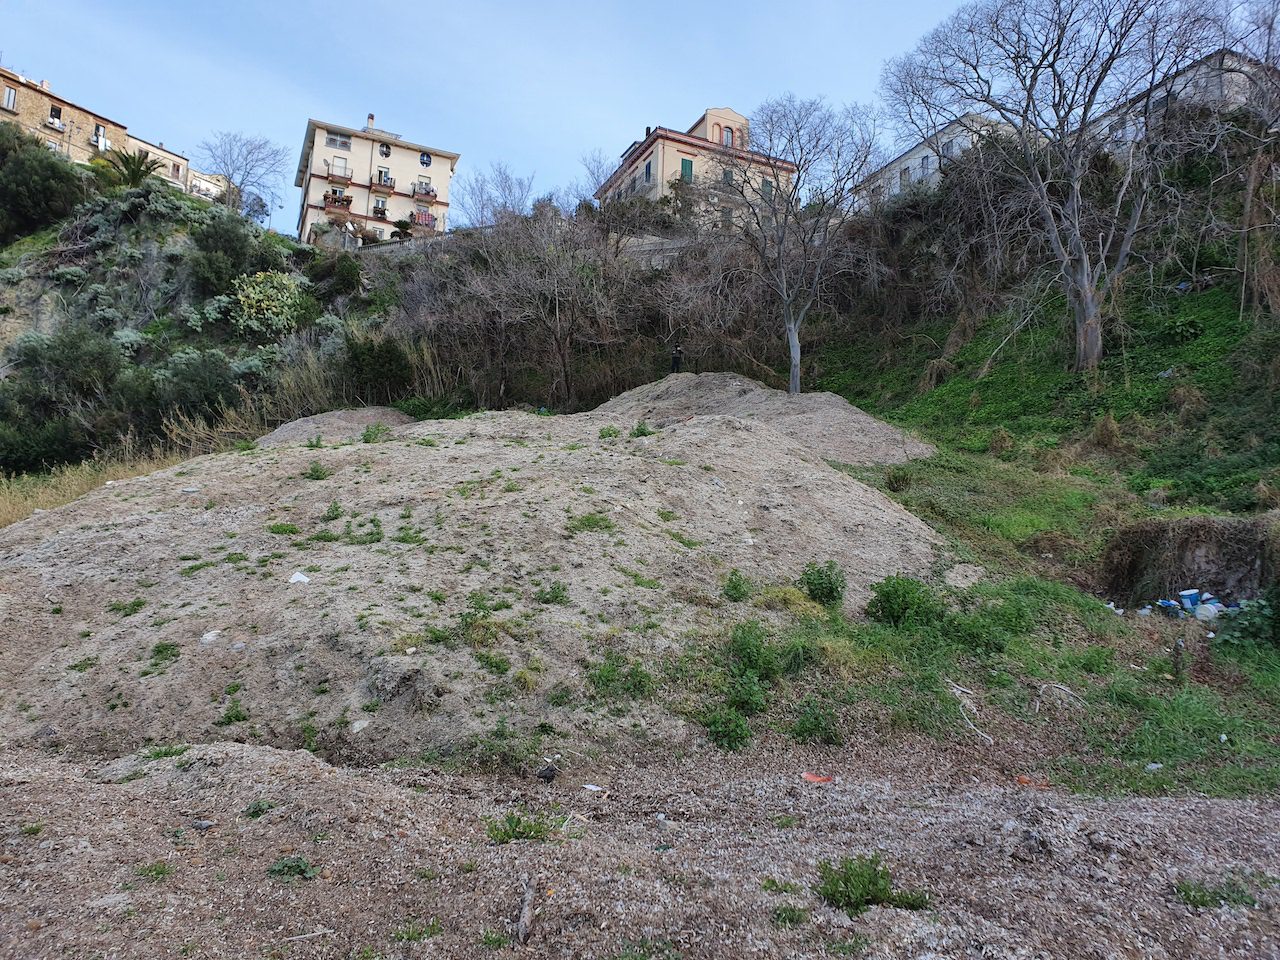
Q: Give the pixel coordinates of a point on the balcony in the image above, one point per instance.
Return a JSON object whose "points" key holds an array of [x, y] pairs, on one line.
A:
{"points": [[56, 124], [421, 218], [425, 192], [380, 213], [383, 185], [333, 201], [339, 176]]}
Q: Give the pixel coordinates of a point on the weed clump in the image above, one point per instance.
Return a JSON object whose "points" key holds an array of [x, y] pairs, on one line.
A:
{"points": [[816, 723], [293, 868], [615, 677], [904, 602], [858, 883], [594, 522], [727, 728], [642, 429], [736, 586], [824, 583], [517, 826]]}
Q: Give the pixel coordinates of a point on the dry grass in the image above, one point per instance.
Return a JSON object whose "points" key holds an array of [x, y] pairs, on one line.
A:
{"points": [[21, 495]]}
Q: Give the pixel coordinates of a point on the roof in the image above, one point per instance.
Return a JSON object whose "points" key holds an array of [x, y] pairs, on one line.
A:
{"points": [[666, 133], [313, 125], [33, 85], [158, 146]]}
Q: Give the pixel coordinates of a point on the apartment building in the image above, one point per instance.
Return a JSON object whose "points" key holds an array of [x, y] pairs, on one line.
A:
{"points": [[68, 128], [652, 167], [367, 179], [922, 163], [174, 167]]}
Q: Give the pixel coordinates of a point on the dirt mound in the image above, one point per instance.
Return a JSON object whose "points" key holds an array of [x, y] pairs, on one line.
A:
{"points": [[451, 586], [828, 425], [336, 427], [142, 857]]}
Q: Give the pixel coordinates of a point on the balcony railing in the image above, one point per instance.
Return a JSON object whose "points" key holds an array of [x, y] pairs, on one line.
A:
{"points": [[423, 219], [425, 191], [56, 123], [383, 185], [339, 176], [380, 213], [334, 201]]}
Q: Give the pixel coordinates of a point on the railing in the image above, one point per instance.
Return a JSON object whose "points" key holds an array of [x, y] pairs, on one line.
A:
{"points": [[423, 219], [383, 184], [425, 190], [333, 200], [380, 213], [340, 176], [56, 124]]}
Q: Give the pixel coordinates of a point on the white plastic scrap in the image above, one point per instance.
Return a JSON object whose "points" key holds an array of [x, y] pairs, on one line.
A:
{"points": [[299, 577], [1153, 767], [592, 787]]}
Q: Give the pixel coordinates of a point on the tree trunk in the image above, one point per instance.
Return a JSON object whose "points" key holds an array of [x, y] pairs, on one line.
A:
{"points": [[1248, 282], [793, 341], [1088, 331]]}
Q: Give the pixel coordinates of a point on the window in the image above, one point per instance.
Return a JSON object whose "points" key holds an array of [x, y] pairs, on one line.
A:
{"points": [[948, 148], [384, 175], [424, 159], [766, 189], [648, 171], [339, 167], [904, 176], [55, 113], [686, 170], [10, 99], [728, 136], [99, 132], [377, 232], [338, 191], [177, 171], [632, 187], [384, 149], [726, 177], [926, 163], [337, 143], [726, 217], [52, 145]]}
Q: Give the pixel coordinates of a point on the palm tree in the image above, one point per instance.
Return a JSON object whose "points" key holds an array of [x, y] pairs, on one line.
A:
{"points": [[403, 230], [132, 168]]}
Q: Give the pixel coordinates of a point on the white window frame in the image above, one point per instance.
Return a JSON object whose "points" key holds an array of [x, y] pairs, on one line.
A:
{"points": [[11, 99]]}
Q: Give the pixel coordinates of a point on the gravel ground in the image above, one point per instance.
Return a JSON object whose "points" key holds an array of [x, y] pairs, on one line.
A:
{"points": [[670, 854]]}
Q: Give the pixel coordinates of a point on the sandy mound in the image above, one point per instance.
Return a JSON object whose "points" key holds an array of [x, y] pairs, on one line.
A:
{"points": [[424, 611], [336, 427], [822, 422], [139, 857]]}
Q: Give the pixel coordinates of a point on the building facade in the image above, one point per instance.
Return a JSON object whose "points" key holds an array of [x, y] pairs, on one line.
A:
{"points": [[174, 167], [653, 167], [74, 131], [362, 181], [921, 164]]}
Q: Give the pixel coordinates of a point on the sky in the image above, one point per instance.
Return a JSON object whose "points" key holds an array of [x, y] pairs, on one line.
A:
{"points": [[534, 84]]}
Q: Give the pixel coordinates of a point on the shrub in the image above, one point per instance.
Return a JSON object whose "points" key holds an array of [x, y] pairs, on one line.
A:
{"points": [[736, 586], [727, 728], [293, 868], [224, 245], [816, 723], [1257, 623], [268, 303], [857, 883], [824, 583], [557, 593], [750, 652], [904, 602], [376, 433], [608, 433], [379, 366], [642, 429], [747, 694], [37, 186]]}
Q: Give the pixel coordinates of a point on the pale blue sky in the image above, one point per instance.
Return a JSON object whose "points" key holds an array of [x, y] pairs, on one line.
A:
{"points": [[536, 84]]}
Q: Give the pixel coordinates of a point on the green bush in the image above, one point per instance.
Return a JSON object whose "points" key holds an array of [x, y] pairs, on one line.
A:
{"points": [[616, 677], [747, 694], [824, 583], [727, 728], [225, 246], [1257, 623], [379, 367], [904, 602], [858, 883], [37, 187]]}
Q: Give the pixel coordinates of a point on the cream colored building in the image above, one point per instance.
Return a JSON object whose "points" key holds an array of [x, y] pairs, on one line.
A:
{"points": [[370, 178], [922, 163], [174, 167], [67, 128], [211, 186], [652, 167]]}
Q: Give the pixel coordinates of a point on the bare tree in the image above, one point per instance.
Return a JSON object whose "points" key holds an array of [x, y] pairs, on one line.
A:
{"points": [[484, 197], [1062, 79], [786, 196], [254, 168]]}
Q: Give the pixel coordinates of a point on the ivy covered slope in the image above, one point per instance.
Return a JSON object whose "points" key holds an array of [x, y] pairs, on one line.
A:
{"points": [[142, 305]]}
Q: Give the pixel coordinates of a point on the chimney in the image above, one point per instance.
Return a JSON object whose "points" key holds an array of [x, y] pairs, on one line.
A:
{"points": [[371, 121], [648, 130], [44, 84]]}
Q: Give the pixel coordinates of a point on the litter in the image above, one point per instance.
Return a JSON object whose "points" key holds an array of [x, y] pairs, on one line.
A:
{"points": [[299, 577], [1190, 599], [816, 777], [190, 489], [592, 787], [1222, 738], [1118, 611], [1153, 767]]}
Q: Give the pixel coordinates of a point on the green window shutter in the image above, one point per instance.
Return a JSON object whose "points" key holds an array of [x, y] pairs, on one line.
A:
{"points": [[766, 188], [686, 170]]}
